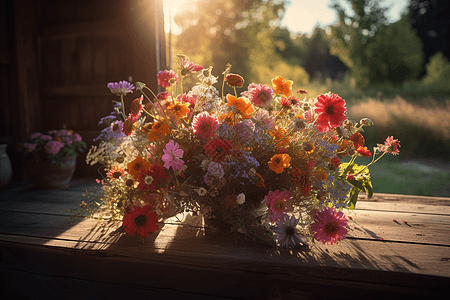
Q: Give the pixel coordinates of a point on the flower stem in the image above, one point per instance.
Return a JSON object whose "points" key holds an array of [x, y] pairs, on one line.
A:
{"points": [[123, 107]]}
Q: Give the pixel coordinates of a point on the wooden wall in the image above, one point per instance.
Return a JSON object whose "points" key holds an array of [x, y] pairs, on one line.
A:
{"points": [[64, 53]]}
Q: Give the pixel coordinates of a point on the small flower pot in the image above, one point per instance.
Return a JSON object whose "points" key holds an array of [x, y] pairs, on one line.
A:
{"points": [[46, 175]]}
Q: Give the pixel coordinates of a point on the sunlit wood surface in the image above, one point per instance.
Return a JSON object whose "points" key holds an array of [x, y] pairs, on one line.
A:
{"points": [[397, 246]]}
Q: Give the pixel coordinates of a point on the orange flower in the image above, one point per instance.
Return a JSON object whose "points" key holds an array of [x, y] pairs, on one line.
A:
{"points": [[278, 133], [136, 166], [158, 130], [227, 118], [179, 110], [243, 106], [281, 86], [279, 162]]}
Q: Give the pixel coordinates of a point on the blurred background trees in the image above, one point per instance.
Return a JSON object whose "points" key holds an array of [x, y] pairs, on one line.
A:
{"points": [[409, 56]]}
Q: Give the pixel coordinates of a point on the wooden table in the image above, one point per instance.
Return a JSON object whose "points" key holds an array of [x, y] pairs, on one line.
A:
{"points": [[46, 253]]}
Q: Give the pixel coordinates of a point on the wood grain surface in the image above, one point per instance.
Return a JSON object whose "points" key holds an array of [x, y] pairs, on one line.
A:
{"points": [[397, 246]]}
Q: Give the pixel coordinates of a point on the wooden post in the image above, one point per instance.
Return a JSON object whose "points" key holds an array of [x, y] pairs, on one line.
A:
{"points": [[27, 104]]}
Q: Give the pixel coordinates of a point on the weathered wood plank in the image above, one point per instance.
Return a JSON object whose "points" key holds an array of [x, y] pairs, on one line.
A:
{"points": [[215, 274], [177, 239]]}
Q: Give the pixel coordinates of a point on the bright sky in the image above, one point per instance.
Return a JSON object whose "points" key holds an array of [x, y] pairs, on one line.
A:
{"points": [[301, 15]]}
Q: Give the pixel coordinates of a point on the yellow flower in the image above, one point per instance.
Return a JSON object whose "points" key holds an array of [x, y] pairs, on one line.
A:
{"points": [[279, 162], [281, 86]]}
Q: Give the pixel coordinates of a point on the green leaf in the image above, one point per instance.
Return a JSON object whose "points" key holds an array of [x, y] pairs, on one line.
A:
{"points": [[368, 188], [353, 197], [356, 183]]}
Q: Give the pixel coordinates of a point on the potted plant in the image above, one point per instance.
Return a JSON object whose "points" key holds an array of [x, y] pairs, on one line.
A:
{"points": [[50, 159]]}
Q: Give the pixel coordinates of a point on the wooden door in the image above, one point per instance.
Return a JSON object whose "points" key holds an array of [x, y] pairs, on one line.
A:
{"points": [[66, 53]]}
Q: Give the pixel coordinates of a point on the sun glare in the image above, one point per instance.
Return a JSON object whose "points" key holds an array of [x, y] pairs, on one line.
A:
{"points": [[171, 7]]}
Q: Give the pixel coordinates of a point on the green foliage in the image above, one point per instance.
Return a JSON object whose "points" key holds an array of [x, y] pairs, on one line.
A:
{"points": [[359, 179], [396, 53], [438, 72], [375, 51]]}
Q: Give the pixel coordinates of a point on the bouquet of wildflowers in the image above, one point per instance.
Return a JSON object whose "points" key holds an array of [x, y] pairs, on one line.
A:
{"points": [[54, 146], [265, 163]]}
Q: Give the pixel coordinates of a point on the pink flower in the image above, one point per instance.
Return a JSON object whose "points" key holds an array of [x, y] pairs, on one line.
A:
{"points": [[172, 155], [191, 99], [390, 146], [329, 226], [260, 95], [163, 96], [35, 135], [46, 137], [278, 203], [77, 137], [188, 67], [30, 147], [53, 147], [204, 125], [167, 78]]}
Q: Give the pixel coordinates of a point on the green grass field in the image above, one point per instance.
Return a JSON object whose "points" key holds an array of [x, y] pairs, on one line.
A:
{"points": [[410, 177]]}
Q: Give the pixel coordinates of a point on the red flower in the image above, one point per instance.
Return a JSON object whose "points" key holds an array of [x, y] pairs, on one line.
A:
{"points": [[127, 128], [217, 149], [234, 80], [358, 142], [301, 180], [331, 111], [140, 221], [362, 150], [136, 108]]}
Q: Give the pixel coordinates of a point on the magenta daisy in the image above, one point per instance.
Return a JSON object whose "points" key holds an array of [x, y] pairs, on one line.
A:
{"points": [[278, 203], [188, 67], [167, 78], [120, 88], [390, 146], [204, 125], [172, 155], [329, 226], [260, 95]]}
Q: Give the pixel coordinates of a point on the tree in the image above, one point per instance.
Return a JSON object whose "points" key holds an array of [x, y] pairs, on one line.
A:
{"points": [[215, 33], [374, 50], [430, 18], [396, 53]]}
